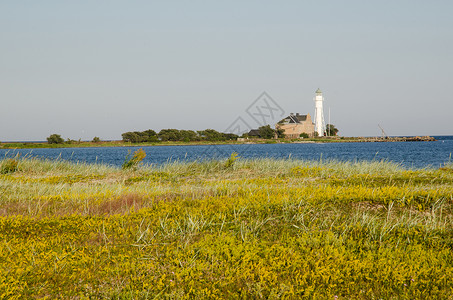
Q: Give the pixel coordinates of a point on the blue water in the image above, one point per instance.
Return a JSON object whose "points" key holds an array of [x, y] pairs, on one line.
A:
{"points": [[409, 154]]}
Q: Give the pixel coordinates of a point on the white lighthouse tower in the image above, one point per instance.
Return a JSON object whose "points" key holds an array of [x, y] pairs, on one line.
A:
{"points": [[319, 113]]}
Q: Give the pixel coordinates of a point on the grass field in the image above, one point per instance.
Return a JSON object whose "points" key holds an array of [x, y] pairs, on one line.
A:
{"points": [[225, 229]]}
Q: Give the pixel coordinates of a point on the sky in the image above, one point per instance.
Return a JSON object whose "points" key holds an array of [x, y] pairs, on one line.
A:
{"points": [[101, 68]]}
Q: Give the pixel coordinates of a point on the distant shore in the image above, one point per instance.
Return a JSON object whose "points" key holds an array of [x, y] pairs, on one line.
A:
{"points": [[336, 139]]}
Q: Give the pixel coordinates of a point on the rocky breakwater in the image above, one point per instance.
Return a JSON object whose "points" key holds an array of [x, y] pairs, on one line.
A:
{"points": [[395, 139]]}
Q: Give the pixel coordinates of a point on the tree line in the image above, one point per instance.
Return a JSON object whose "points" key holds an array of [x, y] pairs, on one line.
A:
{"points": [[57, 139], [150, 136]]}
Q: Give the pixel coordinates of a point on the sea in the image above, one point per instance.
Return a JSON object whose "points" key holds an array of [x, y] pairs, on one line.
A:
{"points": [[412, 155]]}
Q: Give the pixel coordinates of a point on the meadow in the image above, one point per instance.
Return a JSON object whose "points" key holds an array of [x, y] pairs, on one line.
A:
{"points": [[236, 228]]}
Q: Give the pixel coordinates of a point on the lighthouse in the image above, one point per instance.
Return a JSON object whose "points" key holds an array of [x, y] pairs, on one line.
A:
{"points": [[319, 113]]}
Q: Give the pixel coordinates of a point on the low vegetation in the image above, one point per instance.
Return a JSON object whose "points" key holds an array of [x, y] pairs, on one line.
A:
{"points": [[331, 130], [9, 165], [226, 229], [55, 139], [175, 135], [134, 161]]}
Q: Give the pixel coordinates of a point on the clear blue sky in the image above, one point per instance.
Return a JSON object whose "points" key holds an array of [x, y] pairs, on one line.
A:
{"points": [[100, 68]]}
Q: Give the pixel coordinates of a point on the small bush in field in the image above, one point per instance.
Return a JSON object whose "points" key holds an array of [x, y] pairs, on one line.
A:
{"points": [[135, 160], [55, 139], [9, 166], [230, 161]]}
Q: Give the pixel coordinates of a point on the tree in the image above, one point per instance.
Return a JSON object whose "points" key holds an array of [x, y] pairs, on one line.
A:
{"points": [[96, 140], [69, 141], [188, 135], [304, 135], [149, 132], [169, 135], [55, 139], [147, 136], [153, 139], [280, 133], [131, 137], [331, 130], [142, 136], [230, 136], [150, 136], [266, 132], [211, 135]]}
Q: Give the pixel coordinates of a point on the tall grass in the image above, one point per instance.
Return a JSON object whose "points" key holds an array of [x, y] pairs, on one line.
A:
{"points": [[258, 228]]}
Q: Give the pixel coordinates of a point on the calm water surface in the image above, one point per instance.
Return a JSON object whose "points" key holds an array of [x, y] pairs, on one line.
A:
{"points": [[409, 154]]}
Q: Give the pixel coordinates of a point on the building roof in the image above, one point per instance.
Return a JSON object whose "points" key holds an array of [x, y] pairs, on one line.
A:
{"points": [[318, 91], [254, 132], [294, 119]]}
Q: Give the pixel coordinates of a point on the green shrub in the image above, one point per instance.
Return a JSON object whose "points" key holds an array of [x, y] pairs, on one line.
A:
{"points": [[304, 135], [266, 132], [55, 139], [230, 161], [135, 160], [9, 166]]}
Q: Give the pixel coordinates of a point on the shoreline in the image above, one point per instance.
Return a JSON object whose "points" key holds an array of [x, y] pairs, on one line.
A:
{"points": [[41, 145]]}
